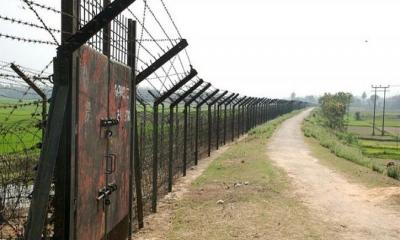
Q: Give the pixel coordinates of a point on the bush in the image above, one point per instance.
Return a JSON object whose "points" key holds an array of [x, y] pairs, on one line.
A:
{"points": [[358, 116], [377, 168], [334, 108], [394, 172]]}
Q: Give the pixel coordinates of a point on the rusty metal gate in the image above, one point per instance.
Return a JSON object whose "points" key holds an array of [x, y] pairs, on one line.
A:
{"points": [[102, 148]]}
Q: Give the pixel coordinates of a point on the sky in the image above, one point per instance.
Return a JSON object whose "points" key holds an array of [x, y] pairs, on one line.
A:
{"points": [[276, 47]]}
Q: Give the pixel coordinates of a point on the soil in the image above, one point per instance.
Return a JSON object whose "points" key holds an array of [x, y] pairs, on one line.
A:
{"points": [[355, 211]]}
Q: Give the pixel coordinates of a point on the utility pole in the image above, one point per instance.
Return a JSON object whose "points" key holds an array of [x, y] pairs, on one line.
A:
{"points": [[384, 109], [373, 124]]}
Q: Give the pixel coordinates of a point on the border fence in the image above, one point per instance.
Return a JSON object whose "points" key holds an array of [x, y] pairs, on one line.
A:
{"points": [[88, 150]]}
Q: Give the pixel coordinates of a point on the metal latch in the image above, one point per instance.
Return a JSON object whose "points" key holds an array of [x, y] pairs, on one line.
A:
{"points": [[109, 122], [105, 192]]}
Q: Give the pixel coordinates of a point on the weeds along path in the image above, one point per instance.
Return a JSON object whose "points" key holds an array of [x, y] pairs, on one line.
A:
{"points": [[354, 211]]}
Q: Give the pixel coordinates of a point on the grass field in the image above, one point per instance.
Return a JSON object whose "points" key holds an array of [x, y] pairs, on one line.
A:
{"points": [[392, 121], [357, 144], [377, 146], [18, 130]]}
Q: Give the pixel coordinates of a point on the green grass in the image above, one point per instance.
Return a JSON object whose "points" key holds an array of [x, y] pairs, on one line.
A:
{"points": [[369, 177], [394, 172], [18, 130], [348, 146], [392, 119]]}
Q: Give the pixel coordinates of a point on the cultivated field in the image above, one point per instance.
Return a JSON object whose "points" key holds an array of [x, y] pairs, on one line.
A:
{"points": [[376, 146]]}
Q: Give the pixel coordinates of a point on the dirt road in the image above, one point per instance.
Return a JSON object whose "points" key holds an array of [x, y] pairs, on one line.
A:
{"points": [[355, 211]]}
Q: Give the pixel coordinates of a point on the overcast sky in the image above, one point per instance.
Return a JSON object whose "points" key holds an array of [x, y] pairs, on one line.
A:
{"points": [[274, 47]]}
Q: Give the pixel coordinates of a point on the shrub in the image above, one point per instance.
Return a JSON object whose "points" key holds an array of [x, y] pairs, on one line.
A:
{"points": [[358, 116], [394, 172], [377, 168], [334, 108]]}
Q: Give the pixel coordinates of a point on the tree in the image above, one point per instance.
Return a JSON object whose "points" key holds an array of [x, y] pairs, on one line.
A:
{"points": [[334, 108], [293, 96], [311, 99], [364, 96], [372, 98]]}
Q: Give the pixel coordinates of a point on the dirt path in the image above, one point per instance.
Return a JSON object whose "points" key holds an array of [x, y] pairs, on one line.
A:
{"points": [[353, 210]]}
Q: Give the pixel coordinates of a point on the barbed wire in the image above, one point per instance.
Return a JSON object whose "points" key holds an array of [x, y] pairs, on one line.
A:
{"points": [[44, 69], [28, 40], [9, 75], [142, 30], [41, 20], [175, 26], [166, 34], [162, 40], [22, 22], [45, 7]]}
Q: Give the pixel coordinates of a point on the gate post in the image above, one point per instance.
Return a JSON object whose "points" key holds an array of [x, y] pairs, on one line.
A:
{"points": [[63, 226], [135, 166]]}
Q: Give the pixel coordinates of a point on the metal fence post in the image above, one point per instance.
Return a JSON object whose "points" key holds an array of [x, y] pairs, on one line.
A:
{"points": [[210, 120], [155, 159], [225, 114], [198, 108], [187, 104], [218, 116], [209, 128], [241, 119], [233, 115], [185, 121], [162, 98], [248, 114], [170, 147]]}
